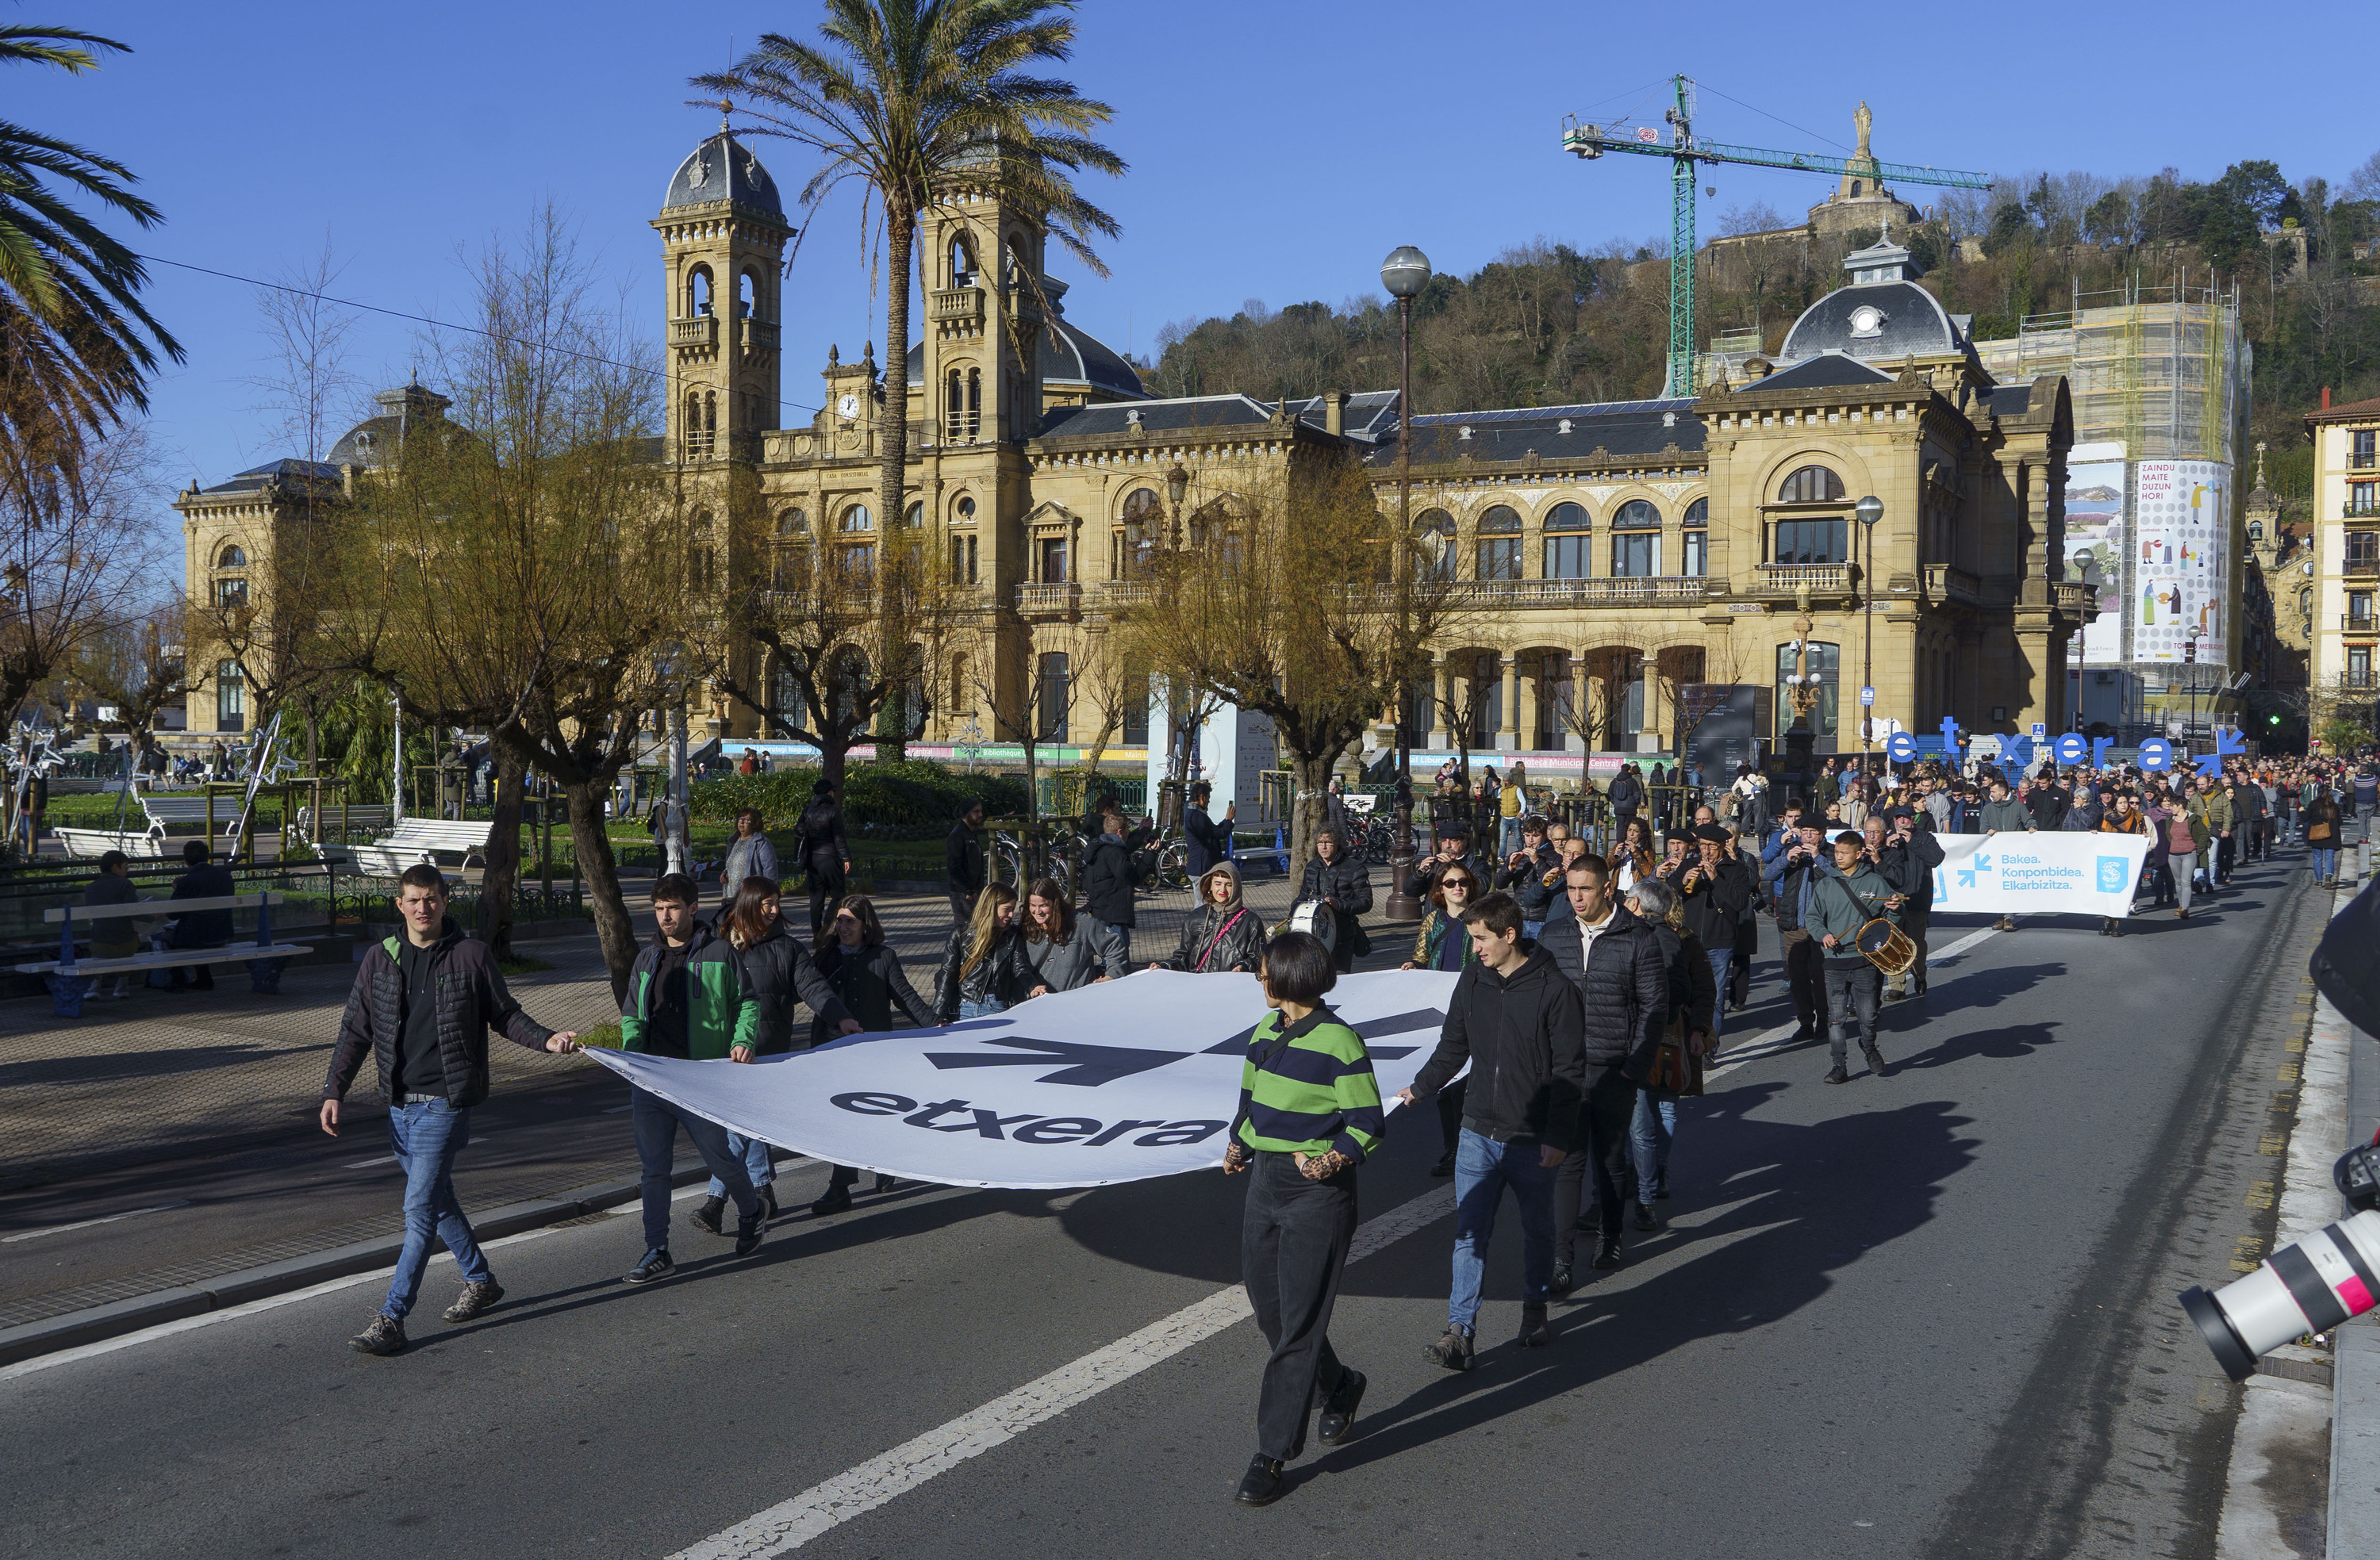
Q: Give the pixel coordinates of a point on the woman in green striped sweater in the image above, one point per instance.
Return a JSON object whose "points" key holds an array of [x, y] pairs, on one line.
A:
{"points": [[1309, 1114]]}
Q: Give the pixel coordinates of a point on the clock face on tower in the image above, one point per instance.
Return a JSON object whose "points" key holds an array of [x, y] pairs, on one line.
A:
{"points": [[848, 406]]}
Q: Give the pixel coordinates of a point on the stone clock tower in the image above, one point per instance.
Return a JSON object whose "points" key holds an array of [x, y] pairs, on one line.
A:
{"points": [[723, 234]]}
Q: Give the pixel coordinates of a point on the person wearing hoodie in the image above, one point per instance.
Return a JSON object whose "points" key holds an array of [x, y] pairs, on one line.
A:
{"points": [[983, 968], [421, 1008], [687, 997], [1623, 981], [783, 977], [1112, 870], [1521, 1028], [1855, 894], [1337, 877], [1225, 935]]}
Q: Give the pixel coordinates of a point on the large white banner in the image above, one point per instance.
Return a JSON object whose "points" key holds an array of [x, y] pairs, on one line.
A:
{"points": [[2038, 873], [1120, 1081]]}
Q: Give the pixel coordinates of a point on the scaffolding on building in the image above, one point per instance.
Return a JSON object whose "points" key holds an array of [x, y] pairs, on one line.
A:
{"points": [[2163, 371]]}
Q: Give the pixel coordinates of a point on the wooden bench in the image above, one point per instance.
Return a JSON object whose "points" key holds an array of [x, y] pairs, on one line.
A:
{"points": [[89, 844], [68, 972], [424, 840]]}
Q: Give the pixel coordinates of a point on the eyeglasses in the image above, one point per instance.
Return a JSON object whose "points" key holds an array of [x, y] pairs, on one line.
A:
{"points": [[1456, 883]]}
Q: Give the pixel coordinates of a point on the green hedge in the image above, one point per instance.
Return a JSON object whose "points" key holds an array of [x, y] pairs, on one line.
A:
{"points": [[910, 794]]}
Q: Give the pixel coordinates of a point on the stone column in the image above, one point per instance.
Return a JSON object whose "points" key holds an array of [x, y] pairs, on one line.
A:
{"points": [[1576, 740], [1441, 683], [1508, 732]]}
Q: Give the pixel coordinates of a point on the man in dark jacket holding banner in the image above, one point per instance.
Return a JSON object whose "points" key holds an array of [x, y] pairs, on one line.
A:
{"points": [[1517, 1021], [1623, 981]]}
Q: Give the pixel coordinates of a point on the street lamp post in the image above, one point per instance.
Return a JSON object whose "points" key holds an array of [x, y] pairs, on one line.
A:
{"points": [[1870, 509], [1405, 273], [2190, 659]]}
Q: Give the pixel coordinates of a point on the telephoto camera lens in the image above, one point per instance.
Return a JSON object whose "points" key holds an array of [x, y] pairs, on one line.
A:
{"points": [[2309, 1287]]}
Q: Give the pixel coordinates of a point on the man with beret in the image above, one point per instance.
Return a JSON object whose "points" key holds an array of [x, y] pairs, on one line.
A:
{"points": [[1712, 888]]}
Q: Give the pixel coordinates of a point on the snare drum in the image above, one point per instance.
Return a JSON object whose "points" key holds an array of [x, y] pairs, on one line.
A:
{"points": [[1315, 918], [1885, 947]]}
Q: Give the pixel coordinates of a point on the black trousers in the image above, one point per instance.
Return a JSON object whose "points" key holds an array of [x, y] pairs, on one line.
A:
{"points": [[826, 896], [1293, 1239], [962, 908], [1604, 1117], [1805, 977], [1450, 1112], [2226, 852]]}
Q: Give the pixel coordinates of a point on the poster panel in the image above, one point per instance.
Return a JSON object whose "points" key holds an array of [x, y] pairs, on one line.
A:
{"points": [[2182, 559], [2094, 538]]}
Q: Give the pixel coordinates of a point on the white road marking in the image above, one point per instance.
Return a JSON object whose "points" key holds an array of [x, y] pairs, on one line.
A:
{"points": [[367, 1164], [86, 1224], [816, 1510], [1779, 1040]]}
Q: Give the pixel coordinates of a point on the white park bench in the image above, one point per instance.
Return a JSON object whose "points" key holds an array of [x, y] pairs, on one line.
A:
{"points": [[424, 840], [70, 971], [89, 844], [373, 819], [169, 813]]}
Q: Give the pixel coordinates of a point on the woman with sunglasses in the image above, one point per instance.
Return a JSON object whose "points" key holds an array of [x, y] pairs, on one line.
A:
{"points": [[1443, 944], [866, 976]]}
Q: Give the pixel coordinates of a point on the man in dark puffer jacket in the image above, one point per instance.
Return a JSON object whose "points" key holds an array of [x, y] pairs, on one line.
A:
{"points": [[422, 1005], [1624, 982]]}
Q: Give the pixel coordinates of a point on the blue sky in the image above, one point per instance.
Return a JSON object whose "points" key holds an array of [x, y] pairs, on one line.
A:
{"points": [[1279, 149]]}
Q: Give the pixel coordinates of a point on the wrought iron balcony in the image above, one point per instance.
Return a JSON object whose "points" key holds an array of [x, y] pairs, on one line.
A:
{"points": [[2359, 568], [2359, 622]]}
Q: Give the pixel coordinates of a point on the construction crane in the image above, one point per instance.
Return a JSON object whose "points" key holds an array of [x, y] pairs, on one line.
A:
{"points": [[1684, 150]]}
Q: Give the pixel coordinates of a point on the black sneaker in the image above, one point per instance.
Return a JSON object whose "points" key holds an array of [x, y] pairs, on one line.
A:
{"points": [[1807, 1032], [385, 1335], [1445, 1165], [1606, 1253], [657, 1264], [476, 1300], [1645, 1217], [1535, 1334], [1874, 1059], [747, 1234], [836, 1200], [1338, 1418], [1260, 1485], [1562, 1282], [1452, 1349], [1839, 1075], [886, 1183], [706, 1214], [768, 1200]]}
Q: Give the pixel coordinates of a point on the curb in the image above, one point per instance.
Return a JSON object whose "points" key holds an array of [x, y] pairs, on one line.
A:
{"points": [[117, 1317]]}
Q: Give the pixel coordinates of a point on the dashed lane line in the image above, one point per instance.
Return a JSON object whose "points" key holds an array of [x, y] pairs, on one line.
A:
{"points": [[86, 1224]]}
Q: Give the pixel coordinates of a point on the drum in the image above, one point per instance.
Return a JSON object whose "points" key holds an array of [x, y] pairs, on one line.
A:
{"points": [[1316, 918], [1885, 947]]}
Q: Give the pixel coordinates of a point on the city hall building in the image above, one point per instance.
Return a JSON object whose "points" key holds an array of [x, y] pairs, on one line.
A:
{"points": [[1612, 556]]}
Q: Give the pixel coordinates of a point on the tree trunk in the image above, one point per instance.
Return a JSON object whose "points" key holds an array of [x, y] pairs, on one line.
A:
{"points": [[834, 760], [614, 931], [1310, 809], [499, 882], [897, 553]]}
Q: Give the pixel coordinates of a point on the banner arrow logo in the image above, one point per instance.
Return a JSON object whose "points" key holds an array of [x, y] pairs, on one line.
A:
{"points": [[1087, 1066]]}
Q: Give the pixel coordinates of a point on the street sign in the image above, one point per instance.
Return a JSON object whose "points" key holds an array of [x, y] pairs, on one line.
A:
{"points": [[1867, 696], [2041, 730]]}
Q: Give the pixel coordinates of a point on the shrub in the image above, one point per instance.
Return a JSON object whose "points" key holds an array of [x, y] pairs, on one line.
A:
{"points": [[913, 794]]}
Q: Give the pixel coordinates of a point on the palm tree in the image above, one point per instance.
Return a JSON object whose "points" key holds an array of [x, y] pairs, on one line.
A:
{"points": [[71, 322], [920, 100]]}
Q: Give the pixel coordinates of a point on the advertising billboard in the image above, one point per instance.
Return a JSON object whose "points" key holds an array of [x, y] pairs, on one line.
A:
{"points": [[2181, 559], [2095, 544]]}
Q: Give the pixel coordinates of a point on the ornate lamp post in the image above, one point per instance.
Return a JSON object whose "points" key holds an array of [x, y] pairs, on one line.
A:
{"points": [[1870, 509], [1405, 273]]}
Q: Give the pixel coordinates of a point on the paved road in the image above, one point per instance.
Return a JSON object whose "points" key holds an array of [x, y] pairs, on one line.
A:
{"points": [[1923, 1315]]}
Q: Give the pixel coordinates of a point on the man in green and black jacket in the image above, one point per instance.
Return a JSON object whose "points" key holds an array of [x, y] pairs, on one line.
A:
{"points": [[687, 997]]}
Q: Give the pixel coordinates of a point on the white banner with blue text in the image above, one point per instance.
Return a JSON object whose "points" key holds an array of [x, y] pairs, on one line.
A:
{"points": [[2038, 873], [1118, 1082]]}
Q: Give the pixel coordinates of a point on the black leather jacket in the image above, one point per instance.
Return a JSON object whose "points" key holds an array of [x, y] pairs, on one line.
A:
{"points": [[1002, 976], [1225, 943], [783, 976]]}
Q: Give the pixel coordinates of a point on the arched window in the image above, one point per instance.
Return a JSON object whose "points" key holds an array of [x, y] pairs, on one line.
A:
{"points": [[1434, 542], [231, 592], [962, 262], [231, 697], [698, 291], [1694, 560], [232, 558], [1635, 540], [793, 522], [1826, 661], [914, 516], [1811, 484], [966, 513], [1567, 542], [2305, 601], [787, 708], [856, 518], [747, 293], [1498, 549]]}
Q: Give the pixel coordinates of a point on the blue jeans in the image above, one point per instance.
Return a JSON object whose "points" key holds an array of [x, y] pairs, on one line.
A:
{"points": [[1649, 1134], [1483, 1167], [2326, 863], [982, 1009], [1507, 836], [755, 1154], [655, 1122], [1721, 960], [427, 1135]]}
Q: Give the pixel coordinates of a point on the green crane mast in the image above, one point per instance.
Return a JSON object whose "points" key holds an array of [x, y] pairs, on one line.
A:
{"points": [[1684, 150]]}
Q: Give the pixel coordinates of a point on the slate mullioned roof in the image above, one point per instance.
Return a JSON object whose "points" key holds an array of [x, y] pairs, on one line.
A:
{"points": [[257, 476], [1553, 433], [723, 169], [1822, 373]]}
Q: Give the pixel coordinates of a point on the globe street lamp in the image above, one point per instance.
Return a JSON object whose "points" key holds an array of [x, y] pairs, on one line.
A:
{"points": [[1870, 509], [1405, 273]]}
